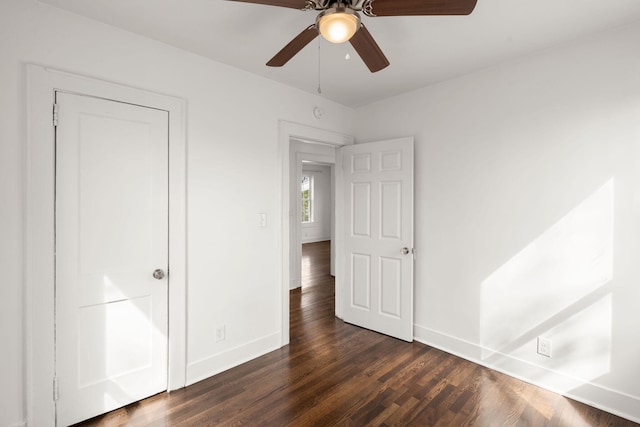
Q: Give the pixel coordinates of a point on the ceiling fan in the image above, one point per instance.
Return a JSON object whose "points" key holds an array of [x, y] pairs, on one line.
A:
{"points": [[339, 21]]}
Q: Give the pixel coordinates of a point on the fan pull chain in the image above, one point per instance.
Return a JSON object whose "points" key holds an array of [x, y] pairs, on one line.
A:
{"points": [[319, 86]]}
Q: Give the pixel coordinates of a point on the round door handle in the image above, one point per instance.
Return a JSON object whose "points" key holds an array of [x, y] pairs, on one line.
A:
{"points": [[404, 251], [158, 274]]}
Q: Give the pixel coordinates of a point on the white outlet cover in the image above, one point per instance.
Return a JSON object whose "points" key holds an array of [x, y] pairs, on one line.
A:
{"points": [[220, 333], [544, 346]]}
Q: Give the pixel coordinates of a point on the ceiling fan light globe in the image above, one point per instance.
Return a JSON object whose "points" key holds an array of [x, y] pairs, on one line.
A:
{"points": [[338, 26]]}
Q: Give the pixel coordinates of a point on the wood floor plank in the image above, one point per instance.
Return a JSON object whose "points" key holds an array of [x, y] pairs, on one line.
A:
{"points": [[336, 374]]}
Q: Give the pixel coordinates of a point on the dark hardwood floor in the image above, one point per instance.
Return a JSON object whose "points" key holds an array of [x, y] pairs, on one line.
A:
{"points": [[333, 373]]}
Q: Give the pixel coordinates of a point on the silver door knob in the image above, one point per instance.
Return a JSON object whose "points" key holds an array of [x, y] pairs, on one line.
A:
{"points": [[158, 274], [404, 251]]}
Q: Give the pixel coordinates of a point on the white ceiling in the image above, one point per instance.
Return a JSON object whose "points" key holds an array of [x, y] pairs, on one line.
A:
{"points": [[422, 49]]}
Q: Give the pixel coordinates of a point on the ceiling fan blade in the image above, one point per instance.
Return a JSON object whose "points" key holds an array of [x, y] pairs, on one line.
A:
{"points": [[363, 42], [421, 7], [294, 4], [294, 46]]}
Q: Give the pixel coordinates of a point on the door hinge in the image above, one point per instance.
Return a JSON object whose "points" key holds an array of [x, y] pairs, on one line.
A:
{"points": [[55, 114], [55, 389]]}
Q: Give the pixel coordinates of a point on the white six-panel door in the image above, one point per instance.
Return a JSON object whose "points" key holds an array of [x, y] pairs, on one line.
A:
{"points": [[111, 235], [378, 241]]}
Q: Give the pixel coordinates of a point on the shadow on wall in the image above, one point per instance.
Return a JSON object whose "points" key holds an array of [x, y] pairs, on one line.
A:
{"points": [[558, 287]]}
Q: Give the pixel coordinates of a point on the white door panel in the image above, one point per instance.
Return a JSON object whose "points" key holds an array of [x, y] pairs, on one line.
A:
{"points": [[378, 190], [111, 234]]}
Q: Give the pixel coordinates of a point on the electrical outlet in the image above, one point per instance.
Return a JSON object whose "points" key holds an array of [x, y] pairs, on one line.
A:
{"points": [[220, 333], [544, 346], [262, 220]]}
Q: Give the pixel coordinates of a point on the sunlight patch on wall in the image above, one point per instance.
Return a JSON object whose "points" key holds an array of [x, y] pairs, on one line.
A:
{"points": [[582, 343], [559, 277]]}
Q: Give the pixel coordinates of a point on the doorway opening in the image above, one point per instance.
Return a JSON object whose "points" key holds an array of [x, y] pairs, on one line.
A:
{"points": [[313, 189], [294, 141], [316, 220]]}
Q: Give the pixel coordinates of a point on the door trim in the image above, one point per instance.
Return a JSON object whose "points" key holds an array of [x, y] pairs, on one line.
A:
{"points": [[286, 132], [39, 271]]}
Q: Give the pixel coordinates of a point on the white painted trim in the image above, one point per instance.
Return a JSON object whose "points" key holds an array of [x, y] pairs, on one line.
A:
{"points": [[339, 230], [286, 132], [620, 404], [42, 83]]}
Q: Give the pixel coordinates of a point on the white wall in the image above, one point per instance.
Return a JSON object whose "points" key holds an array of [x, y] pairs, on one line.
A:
{"points": [[225, 157], [320, 228], [528, 215]]}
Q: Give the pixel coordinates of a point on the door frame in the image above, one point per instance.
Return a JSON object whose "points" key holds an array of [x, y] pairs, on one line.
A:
{"points": [[39, 269], [288, 131]]}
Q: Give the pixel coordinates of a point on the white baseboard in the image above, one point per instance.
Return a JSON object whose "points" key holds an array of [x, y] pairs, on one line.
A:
{"points": [[210, 366], [612, 401]]}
